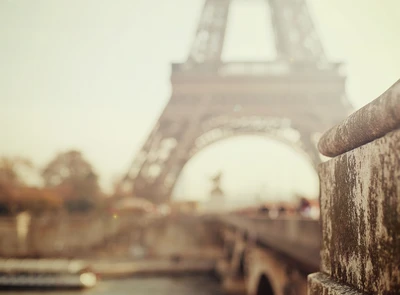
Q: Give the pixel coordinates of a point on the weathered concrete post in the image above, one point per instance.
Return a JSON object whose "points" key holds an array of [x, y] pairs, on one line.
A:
{"points": [[360, 202]]}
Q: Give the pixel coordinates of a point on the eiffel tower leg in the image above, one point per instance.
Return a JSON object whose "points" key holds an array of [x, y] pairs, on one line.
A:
{"points": [[295, 35], [149, 173], [159, 163]]}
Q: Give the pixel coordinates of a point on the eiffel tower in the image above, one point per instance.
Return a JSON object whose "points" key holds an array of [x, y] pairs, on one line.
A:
{"points": [[292, 99]]}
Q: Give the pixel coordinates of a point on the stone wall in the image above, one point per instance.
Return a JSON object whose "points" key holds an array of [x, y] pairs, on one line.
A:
{"points": [[183, 235], [360, 202], [87, 236], [60, 236], [9, 242]]}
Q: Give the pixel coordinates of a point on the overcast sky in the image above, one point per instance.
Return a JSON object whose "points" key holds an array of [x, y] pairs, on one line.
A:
{"points": [[94, 75]]}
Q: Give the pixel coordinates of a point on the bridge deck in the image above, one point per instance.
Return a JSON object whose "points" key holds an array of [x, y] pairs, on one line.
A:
{"points": [[298, 239]]}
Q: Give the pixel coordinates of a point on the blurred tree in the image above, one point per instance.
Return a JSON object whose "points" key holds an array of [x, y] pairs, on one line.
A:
{"points": [[11, 168], [33, 200], [11, 180], [80, 205], [74, 179], [38, 200], [8, 204]]}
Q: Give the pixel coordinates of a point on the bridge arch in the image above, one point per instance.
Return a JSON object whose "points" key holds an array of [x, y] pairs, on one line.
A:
{"points": [[264, 286]]}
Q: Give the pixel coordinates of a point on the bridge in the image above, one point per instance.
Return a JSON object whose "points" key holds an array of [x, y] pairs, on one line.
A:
{"points": [[268, 256]]}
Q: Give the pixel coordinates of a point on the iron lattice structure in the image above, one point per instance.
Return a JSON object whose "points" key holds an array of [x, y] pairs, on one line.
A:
{"points": [[293, 98]]}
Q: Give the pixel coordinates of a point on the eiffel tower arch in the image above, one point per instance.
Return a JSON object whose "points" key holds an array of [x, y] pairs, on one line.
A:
{"points": [[292, 98]]}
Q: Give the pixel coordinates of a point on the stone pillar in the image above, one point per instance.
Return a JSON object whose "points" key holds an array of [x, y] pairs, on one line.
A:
{"points": [[228, 267], [360, 202]]}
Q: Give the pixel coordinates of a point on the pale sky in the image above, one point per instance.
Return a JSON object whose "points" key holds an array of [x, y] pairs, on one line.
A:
{"points": [[94, 75]]}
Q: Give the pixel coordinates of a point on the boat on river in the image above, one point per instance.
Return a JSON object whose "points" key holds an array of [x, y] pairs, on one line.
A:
{"points": [[45, 273]]}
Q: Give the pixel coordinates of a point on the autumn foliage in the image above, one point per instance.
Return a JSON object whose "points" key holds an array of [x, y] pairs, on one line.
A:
{"points": [[7, 199], [34, 200], [38, 200], [69, 184], [73, 178]]}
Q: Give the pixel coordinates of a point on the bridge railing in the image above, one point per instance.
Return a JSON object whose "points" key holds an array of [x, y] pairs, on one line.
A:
{"points": [[360, 198], [299, 239]]}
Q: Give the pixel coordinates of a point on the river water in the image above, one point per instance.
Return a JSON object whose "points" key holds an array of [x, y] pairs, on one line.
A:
{"points": [[186, 285]]}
